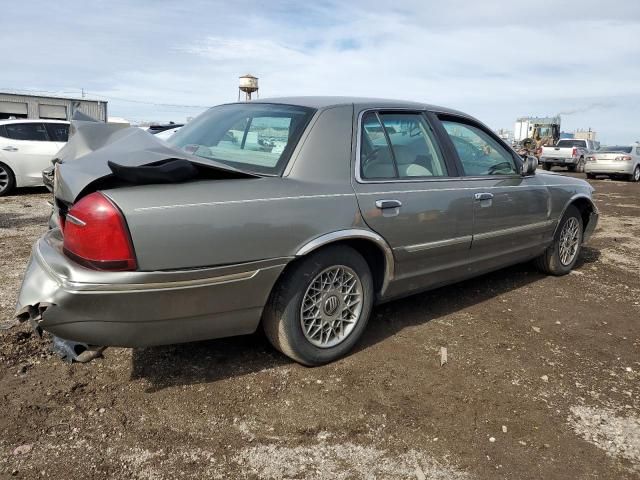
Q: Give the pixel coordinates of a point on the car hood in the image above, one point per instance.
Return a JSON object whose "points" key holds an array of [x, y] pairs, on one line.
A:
{"points": [[85, 158]]}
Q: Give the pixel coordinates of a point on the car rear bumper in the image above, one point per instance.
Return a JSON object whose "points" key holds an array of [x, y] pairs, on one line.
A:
{"points": [[28, 181], [559, 161], [620, 168], [137, 309]]}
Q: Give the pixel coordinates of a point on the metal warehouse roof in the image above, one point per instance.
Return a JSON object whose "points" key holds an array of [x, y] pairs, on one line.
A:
{"points": [[43, 94]]}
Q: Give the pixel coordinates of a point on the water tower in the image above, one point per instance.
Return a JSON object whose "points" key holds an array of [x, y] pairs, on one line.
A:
{"points": [[248, 84]]}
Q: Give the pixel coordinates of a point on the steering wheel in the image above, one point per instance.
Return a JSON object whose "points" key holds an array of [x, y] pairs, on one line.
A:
{"points": [[499, 166]]}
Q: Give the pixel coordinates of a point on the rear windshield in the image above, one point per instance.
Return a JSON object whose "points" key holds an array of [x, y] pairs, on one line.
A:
{"points": [[615, 149], [571, 143], [254, 137]]}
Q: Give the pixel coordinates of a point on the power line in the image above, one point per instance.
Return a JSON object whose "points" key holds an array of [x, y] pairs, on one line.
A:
{"points": [[149, 103]]}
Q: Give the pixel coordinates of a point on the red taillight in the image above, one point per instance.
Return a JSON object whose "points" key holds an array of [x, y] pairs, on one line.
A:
{"points": [[96, 235], [574, 152]]}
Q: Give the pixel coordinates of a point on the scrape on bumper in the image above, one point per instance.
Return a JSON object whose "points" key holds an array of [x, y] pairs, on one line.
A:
{"points": [[137, 309]]}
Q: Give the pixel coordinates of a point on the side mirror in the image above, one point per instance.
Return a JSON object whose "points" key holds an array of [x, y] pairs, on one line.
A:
{"points": [[529, 165]]}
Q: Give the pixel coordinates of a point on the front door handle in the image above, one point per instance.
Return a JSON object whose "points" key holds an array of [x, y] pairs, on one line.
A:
{"points": [[384, 204], [10, 149], [483, 196]]}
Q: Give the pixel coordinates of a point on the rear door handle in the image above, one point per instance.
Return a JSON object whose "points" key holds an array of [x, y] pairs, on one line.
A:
{"points": [[384, 204], [10, 149], [483, 196]]}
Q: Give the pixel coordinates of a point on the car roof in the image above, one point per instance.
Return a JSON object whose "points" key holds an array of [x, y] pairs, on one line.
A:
{"points": [[321, 102], [30, 120]]}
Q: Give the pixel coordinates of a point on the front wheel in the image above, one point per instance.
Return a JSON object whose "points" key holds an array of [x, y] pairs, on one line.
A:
{"points": [[320, 307], [635, 176], [563, 253], [546, 166], [591, 176]]}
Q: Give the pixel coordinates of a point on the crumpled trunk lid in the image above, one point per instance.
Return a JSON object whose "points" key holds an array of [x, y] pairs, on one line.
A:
{"points": [[83, 161]]}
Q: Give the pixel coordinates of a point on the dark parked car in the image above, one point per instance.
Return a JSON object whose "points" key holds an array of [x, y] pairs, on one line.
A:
{"points": [[294, 214], [159, 128]]}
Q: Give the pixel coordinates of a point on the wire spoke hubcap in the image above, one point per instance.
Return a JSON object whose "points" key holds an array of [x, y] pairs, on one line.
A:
{"points": [[331, 306], [569, 241]]}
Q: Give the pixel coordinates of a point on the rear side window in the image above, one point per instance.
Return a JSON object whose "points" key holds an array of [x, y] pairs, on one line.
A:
{"points": [[27, 131], [399, 145], [58, 132], [253, 137], [571, 143], [479, 153]]}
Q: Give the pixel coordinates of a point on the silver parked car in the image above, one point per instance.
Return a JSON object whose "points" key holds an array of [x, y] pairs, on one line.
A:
{"points": [[615, 160], [294, 214]]}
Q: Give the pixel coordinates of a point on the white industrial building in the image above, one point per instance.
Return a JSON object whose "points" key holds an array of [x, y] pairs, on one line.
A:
{"points": [[15, 104]]}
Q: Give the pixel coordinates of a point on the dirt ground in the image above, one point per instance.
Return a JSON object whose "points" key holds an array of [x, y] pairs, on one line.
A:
{"points": [[542, 381]]}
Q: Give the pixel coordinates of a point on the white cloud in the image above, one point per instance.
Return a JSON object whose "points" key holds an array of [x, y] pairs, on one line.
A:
{"points": [[497, 60]]}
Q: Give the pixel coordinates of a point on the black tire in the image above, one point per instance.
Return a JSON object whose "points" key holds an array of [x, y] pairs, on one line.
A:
{"points": [[635, 176], [571, 168], [7, 180], [550, 262], [591, 176], [282, 315], [546, 166]]}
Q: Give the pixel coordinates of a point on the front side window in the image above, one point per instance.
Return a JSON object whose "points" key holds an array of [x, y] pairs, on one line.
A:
{"points": [[399, 145], [479, 153], [253, 137], [27, 131], [58, 132]]}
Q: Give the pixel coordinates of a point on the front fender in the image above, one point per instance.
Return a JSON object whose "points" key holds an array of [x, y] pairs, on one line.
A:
{"points": [[589, 210]]}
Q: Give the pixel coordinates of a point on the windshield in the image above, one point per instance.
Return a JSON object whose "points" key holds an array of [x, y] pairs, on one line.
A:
{"points": [[615, 149], [254, 137], [571, 143]]}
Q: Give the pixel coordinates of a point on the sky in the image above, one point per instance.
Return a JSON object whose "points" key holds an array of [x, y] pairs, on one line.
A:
{"points": [[497, 60]]}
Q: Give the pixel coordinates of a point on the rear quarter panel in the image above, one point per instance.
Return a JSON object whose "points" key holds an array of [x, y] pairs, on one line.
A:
{"points": [[217, 222]]}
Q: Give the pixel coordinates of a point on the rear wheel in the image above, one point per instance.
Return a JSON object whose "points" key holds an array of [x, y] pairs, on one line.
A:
{"points": [[319, 309], [546, 166], [563, 253], [635, 176], [7, 180], [591, 176], [571, 168]]}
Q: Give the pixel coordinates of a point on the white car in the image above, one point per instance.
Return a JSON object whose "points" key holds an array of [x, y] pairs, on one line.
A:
{"points": [[26, 148], [618, 160], [166, 134]]}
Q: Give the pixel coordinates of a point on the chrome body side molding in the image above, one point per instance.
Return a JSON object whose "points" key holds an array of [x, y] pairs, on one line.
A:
{"points": [[441, 243]]}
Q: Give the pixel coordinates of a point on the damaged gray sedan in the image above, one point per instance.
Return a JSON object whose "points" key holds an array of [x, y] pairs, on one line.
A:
{"points": [[296, 215]]}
